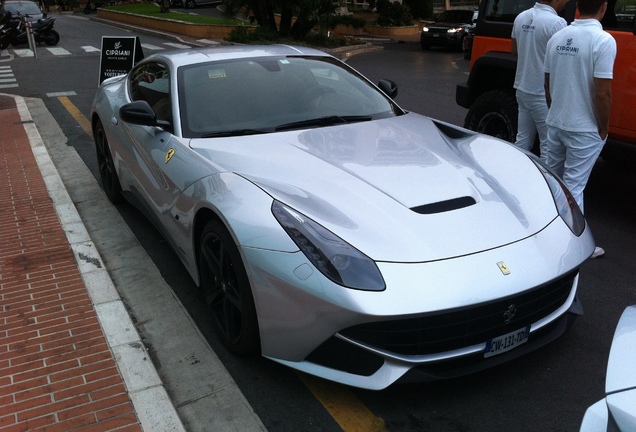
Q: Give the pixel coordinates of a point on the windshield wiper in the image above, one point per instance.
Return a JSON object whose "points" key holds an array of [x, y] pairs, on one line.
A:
{"points": [[235, 132], [322, 121]]}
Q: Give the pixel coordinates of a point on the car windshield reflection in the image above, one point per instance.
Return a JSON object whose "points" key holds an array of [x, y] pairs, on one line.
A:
{"points": [[248, 96]]}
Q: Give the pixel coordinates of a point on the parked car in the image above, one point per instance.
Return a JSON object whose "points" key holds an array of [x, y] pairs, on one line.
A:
{"points": [[24, 8], [449, 29], [617, 411], [329, 229]]}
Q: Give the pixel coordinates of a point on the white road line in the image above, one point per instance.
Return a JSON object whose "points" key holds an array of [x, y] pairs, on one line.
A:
{"points": [[7, 80], [58, 94], [151, 47], [58, 51], [5, 67], [23, 52], [8, 85], [89, 48], [177, 45]]}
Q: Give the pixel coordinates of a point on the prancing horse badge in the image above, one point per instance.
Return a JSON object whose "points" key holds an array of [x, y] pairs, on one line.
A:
{"points": [[504, 268], [169, 155]]}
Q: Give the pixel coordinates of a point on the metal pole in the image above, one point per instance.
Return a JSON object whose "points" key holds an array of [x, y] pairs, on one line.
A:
{"points": [[30, 37]]}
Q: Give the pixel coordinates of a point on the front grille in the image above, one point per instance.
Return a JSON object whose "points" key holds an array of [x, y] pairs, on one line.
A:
{"points": [[463, 327]]}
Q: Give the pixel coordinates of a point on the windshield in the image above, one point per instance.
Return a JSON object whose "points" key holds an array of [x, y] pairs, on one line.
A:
{"points": [[26, 8], [456, 16], [262, 95]]}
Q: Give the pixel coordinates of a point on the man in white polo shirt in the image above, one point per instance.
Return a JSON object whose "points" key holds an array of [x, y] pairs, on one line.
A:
{"points": [[530, 34], [578, 68]]}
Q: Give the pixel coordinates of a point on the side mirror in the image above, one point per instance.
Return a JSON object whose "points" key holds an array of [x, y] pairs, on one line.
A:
{"points": [[388, 87], [140, 113]]}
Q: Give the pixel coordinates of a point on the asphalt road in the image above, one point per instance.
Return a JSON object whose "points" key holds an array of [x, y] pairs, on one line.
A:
{"points": [[547, 390]]}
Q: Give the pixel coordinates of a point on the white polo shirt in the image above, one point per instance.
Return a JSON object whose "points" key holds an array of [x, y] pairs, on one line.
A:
{"points": [[532, 29], [574, 57]]}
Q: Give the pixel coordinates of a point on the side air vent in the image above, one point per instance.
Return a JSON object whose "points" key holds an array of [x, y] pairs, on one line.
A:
{"points": [[445, 206]]}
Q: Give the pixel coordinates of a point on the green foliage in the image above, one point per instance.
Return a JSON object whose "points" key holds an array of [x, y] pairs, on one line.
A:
{"points": [[263, 35], [422, 9], [330, 41], [394, 14], [346, 20], [259, 35]]}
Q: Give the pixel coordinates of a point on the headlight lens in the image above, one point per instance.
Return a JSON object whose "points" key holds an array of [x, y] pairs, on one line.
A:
{"points": [[455, 30], [566, 205], [332, 256], [424, 29]]}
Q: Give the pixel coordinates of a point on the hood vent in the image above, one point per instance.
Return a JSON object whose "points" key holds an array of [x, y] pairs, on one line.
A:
{"points": [[445, 206]]}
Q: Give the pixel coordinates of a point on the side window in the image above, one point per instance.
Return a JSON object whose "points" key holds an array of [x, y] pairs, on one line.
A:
{"points": [[151, 82], [620, 15]]}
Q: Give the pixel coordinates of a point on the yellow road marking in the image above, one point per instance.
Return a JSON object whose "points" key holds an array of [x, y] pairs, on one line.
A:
{"points": [[346, 409], [77, 115]]}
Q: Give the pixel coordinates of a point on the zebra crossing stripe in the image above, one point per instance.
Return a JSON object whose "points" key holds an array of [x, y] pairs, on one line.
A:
{"points": [[23, 52], [58, 51]]}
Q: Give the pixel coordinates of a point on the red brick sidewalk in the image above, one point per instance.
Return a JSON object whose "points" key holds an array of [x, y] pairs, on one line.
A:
{"points": [[57, 372]]}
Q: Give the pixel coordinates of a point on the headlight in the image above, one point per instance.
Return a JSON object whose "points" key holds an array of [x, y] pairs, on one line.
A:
{"points": [[332, 256], [566, 205], [424, 29], [455, 30]]}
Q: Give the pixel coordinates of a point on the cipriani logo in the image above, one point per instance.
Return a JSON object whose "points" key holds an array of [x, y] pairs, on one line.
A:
{"points": [[567, 48]]}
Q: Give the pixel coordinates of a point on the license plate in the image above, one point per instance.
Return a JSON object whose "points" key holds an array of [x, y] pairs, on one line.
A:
{"points": [[506, 342], [435, 35]]}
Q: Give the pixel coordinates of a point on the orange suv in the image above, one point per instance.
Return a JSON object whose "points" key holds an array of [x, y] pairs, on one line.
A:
{"points": [[489, 94]]}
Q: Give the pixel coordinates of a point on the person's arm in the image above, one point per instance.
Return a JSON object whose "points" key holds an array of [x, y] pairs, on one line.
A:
{"points": [[513, 46], [603, 104], [546, 87]]}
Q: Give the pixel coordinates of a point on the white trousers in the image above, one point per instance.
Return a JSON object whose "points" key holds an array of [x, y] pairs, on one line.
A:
{"points": [[572, 156], [533, 110]]}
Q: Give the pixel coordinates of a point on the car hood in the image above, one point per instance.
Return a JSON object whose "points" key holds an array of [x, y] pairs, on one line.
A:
{"points": [[403, 189], [445, 25]]}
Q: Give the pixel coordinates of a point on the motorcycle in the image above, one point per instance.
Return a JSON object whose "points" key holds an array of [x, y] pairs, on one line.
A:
{"points": [[14, 32], [91, 6]]}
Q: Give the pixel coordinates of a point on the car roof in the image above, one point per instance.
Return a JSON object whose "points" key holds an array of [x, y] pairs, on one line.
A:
{"points": [[184, 57]]}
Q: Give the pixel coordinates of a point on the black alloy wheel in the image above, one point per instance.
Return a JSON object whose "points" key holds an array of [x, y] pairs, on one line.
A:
{"points": [[227, 290], [107, 172]]}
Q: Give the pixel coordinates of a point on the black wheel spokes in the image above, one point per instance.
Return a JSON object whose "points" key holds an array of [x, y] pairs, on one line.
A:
{"points": [[104, 161], [222, 292]]}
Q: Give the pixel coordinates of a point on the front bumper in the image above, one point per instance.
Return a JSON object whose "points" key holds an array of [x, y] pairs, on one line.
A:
{"points": [[304, 319]]}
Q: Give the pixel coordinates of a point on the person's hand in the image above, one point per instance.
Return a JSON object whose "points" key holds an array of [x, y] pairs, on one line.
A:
{"points": [[603, 133]]}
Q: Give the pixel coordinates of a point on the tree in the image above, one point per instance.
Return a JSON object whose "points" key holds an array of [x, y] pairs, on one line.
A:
{"points": [[164, 6], [307, 14]]}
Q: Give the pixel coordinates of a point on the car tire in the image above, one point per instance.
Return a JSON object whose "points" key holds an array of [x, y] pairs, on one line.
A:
{"points": [[190, 4], [51, 38], [494, 113], [106, 166], [227, 290]]}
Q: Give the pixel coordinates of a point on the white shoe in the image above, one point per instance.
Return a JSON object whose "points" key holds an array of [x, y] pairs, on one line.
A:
{"points": [[598, 252]]}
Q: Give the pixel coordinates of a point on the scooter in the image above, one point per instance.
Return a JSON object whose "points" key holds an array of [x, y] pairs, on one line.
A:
{"points": [[92, 5], [14, 32]]}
